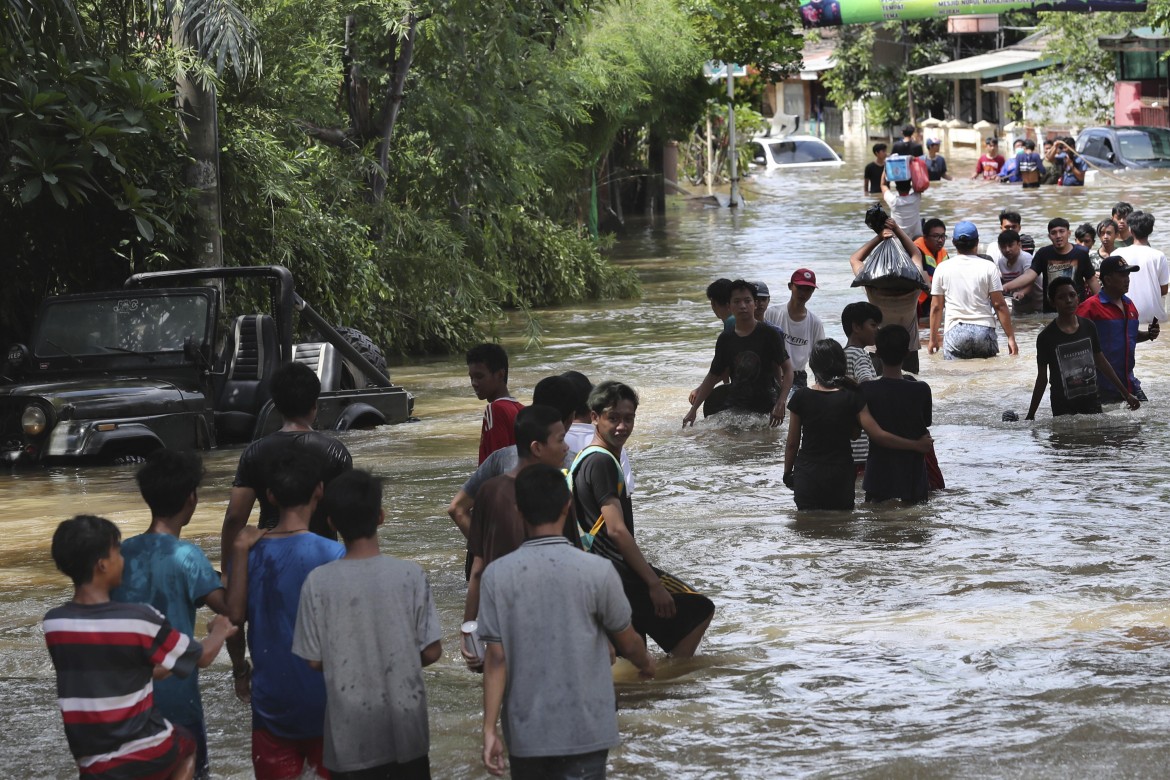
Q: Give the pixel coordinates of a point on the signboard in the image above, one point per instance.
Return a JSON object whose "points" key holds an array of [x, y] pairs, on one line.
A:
{"points": [[832, 13], [717, 71]]}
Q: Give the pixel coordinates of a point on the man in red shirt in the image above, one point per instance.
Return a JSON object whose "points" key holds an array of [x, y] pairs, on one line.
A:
{"points": [[991, 163], [487, 368]]}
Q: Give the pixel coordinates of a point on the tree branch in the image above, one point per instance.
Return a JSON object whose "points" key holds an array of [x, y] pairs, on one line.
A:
{"points": [[394, 97], [342, 139]]}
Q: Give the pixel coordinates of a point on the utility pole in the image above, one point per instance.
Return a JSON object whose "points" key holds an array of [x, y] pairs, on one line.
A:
{"points": [[906, 63], [731, 153]]}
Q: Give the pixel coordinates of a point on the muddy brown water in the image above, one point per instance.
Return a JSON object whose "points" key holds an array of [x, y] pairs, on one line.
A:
{"points": [[1015, 626]]}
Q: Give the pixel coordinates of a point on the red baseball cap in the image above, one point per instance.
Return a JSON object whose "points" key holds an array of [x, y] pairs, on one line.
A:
{"points": [[804, 277]]}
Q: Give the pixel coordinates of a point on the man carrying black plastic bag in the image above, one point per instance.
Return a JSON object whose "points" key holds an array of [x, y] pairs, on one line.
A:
{"points": [[889, 267]]}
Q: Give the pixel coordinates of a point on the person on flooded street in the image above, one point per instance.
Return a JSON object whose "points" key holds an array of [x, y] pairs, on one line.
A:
{"points": [[1117, 320], [902, 406], [763, 303], [909, 145], [968, 296], [818, 461], [801, 327], [936, 164], [295, 389], [1031, 167], [1061, 258], [1086, 236], [932, 245], [1011, 261], [905, 207], [719, 296], [899, 307], [268, 571], [860, 321], [547, 617], [1147, 287], [1010, 174], [1107, 233], [558, 392], [990, 163], [497, 528], [487, 368], [753, 356], [1120, 214], [872, 181], [580, 433], [368, 623], [1063, 156], [668, 610], [106, 656], [175, 577], [1069, 351], [1008, 220]]}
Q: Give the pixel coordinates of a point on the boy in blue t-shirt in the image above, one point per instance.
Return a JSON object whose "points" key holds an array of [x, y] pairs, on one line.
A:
{"points": [[174, 577], [267, 571]]}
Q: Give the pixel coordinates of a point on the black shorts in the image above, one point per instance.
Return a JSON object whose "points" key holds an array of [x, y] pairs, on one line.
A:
{"points": [[692, 609]]}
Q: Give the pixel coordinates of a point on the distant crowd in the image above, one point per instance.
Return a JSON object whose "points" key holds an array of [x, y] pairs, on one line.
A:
{"points": [[1057, 163], [1108, 298]]}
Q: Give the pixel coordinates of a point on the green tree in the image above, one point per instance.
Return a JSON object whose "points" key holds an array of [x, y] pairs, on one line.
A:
{"points": [[1080, 83], [759, 33], [890, 93]]}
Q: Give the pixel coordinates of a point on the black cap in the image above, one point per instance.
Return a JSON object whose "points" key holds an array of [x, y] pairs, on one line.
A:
{"points": [[1117, 264]]}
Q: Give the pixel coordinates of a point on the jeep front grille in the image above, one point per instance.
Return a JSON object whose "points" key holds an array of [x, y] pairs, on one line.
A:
{"points": [[11, 436]]}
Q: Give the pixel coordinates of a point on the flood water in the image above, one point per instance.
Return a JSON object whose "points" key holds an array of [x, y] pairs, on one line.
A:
{"points": [[1014, 626]]}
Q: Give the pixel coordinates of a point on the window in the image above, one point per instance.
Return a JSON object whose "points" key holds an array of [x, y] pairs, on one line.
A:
{"points": [[1139, 65], [1145, 144], [795, 152], [136, 322]]}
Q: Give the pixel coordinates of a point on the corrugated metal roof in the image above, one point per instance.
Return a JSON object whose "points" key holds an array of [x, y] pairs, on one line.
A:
{"points": [[1011, 85], [1140, 39], [1003, 62]]}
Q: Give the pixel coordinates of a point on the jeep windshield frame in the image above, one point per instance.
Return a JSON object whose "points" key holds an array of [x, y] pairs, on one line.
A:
{"points": [[146, 327]]}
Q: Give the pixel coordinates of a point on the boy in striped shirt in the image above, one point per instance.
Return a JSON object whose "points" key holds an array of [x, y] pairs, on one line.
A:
{"points": [[107, 655]]}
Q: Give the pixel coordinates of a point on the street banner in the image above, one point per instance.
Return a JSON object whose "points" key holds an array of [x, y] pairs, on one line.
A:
{"points": [[833, 13]]}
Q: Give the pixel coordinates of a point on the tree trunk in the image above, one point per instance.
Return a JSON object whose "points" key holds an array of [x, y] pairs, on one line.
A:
{"points": [[200, 117], [394, 95], [657, 180], [355, 91]]}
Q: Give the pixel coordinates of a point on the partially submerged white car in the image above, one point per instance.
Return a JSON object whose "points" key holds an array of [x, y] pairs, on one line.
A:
{"points": [[792, 151]]}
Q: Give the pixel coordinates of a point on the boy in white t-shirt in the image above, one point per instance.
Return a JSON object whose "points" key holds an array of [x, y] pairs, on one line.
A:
{"points": [[1147, 287], [1012, 260], [905, 207], [801, 327]]}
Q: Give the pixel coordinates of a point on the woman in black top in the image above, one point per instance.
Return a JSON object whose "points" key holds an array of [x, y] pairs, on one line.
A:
{"points": [[825, 418]]}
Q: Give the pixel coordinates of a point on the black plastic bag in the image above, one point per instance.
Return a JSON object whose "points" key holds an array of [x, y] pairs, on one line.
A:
{"points": [[875, 217], [888, 267]]}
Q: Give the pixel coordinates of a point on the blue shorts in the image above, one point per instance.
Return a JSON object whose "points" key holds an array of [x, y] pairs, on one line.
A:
{"points": [[964, 341]]}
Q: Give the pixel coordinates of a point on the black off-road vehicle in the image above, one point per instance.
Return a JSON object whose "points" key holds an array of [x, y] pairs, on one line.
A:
{"points": [[115, 375]]}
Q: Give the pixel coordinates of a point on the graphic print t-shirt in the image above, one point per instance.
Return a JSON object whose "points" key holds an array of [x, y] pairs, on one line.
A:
{"points": [[1076, 265], [989, 167], [752, 360], [1072, 370]]}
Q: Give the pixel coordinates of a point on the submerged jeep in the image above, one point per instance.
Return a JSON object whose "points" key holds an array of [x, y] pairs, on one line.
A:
{"points": [[109, 377]]}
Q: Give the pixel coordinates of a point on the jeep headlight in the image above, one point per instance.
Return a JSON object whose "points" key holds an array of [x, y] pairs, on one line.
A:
{"points": [[33, 420]]}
